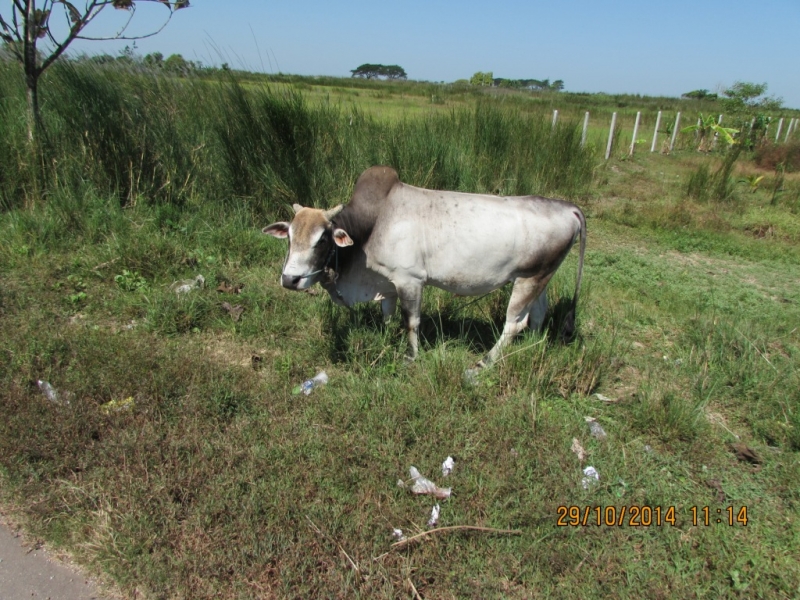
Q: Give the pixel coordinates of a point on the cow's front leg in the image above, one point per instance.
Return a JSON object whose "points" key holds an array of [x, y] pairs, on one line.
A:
{"points": [[388, 306], [410, 304]]}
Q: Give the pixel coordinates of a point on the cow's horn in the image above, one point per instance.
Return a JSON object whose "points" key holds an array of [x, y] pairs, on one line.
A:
{"points": [[329, 214], [297, 208]]}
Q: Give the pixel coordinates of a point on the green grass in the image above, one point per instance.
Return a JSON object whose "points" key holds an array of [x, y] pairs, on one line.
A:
{"points": [[218, 482]]}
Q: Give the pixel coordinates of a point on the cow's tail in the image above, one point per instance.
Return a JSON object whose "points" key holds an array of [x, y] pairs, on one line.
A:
{"points": [[568, 330]]}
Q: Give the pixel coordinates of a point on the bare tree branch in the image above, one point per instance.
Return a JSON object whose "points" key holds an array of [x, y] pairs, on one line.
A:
{"points": [[87, 18], [14, 16], [131, 37], [131, 12]]}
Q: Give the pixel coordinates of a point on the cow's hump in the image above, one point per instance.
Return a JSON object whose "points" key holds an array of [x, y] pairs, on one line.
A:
{"points": [[374, 185], [369, 197]]}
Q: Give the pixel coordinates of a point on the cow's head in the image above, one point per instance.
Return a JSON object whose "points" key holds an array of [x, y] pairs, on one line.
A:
{"points": [[312, 242]]}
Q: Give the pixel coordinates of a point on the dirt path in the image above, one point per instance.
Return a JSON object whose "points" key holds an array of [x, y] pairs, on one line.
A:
{"points": [[28, 571]]}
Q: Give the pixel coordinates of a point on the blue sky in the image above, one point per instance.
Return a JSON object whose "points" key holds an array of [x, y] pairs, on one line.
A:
{"points": [[648, 47]]}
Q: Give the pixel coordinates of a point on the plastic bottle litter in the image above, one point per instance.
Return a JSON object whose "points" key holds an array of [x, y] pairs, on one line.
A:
{"points": [[597, 430], [447, 466], [50, 392], [591, 477], [423, 485], [434, 516], [320, 378]]}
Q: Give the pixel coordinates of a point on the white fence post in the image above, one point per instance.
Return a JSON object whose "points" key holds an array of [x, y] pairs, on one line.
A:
{"points": [[555, 118], [585, 128], [790, 129], [635, 132], [675, 131], [655, 133], [611, 135], [780, 126]]}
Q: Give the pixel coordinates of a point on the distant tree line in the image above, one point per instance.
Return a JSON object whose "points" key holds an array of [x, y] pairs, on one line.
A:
{"points": [[175, 63], [699, 95], [370, 71], [488, 79], [742, 96]]}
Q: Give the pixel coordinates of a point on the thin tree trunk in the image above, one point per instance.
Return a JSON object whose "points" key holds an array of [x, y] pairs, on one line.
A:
{"points": [[31, 69], [32, 94]]}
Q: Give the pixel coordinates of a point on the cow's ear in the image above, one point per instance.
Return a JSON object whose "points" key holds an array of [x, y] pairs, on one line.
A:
{"points": [[341, 238], [278, 230], [297, 208]]}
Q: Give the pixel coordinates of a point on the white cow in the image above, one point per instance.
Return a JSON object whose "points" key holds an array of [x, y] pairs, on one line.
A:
{"points": [[392, 239]]}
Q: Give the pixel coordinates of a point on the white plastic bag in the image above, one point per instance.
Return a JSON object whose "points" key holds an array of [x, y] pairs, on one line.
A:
{"points": [[423, 485]]}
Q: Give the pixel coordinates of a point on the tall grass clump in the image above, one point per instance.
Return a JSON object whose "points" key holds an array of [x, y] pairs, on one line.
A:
{"points": [[18, 165], [275, 147], [142, 137], [490, 149], [124, 128], [703, 185]]}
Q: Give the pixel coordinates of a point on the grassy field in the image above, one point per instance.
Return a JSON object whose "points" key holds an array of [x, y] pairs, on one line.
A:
{"points": [[177, 463]]}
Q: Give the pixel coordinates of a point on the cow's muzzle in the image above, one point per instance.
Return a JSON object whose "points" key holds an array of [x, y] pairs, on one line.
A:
{"points": [[291, 281]]}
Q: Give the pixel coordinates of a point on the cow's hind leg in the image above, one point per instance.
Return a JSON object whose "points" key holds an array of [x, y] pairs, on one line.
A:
{"points": [[410, 304], [527, 306]]}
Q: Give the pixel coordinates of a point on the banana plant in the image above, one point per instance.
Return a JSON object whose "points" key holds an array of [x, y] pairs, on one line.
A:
{"points": [[753, 181], [707, 126]]}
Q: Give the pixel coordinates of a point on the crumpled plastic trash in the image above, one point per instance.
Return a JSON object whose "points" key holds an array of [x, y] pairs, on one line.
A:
{"points": [[117, 405], [447, 466], [603, 398], [434, 516], [597, 430], [591, 477], [187, 285], [578, 449], [50, 392], [423, 485]]}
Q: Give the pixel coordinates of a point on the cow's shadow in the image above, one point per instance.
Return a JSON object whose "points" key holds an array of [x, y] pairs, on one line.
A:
{"points": [[363, 325]]}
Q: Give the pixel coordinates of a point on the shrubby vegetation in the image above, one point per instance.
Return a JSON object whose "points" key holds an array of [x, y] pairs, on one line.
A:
{"points": [[160, 140]]}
